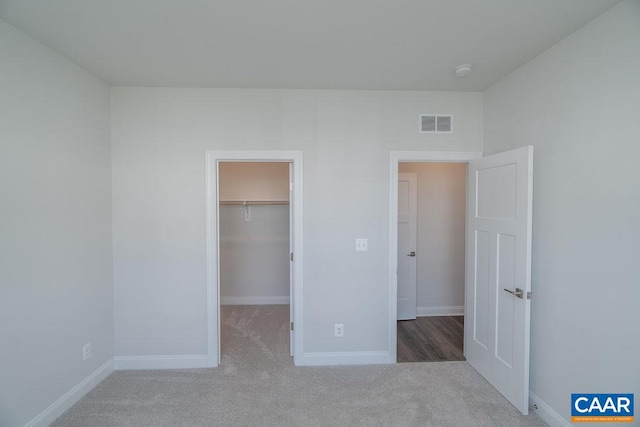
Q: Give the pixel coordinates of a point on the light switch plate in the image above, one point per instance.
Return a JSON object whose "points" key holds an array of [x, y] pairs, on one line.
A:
{"points": [[362, 245]]}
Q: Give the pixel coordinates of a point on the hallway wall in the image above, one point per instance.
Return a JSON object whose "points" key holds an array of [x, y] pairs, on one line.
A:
{"points": [[441, 236]]}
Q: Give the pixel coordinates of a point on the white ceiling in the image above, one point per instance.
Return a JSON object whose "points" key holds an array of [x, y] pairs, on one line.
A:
{"points": [[314, 44]]}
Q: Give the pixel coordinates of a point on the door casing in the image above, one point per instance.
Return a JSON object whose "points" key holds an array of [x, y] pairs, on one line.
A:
{"points": [[213, 244], [395, 158]]}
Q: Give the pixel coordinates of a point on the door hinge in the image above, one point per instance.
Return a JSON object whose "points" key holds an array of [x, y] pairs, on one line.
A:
{"points": [[291, 256], [529, 295], [292, 326]]}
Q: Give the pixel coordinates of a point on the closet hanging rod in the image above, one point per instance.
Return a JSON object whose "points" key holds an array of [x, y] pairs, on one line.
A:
{"points": [[254, 202]]}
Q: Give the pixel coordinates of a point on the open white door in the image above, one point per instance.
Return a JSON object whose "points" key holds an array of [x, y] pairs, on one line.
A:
{"points": [[407, 242], [291, 264], [498, 271]]}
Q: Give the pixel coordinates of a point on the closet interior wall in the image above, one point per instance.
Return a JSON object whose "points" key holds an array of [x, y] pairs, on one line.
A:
{"points": [[254, 233]]}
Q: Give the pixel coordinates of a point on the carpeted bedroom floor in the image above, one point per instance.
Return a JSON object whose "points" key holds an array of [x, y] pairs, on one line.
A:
{"points": [[257, 385]]}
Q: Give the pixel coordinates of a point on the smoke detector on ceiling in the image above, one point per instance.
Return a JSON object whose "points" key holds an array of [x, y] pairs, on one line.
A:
{"points": [[463, 70]]}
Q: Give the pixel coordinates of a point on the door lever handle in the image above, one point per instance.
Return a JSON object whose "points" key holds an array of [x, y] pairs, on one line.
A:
{"points": [[412, 253], [518, 292]]}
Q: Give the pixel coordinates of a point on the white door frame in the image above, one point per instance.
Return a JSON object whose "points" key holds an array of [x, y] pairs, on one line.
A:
{"points": [[395, 158], [213, 243]]}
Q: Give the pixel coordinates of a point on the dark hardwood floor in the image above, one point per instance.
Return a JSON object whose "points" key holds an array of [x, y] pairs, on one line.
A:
{"points": [[431, 339]]}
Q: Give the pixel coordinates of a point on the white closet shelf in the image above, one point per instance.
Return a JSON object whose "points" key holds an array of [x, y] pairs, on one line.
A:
{"points": [[254, 202]]}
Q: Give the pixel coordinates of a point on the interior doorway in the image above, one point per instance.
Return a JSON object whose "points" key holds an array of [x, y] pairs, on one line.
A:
{"points": [[402, 255], [254, 248], [431, 261]]}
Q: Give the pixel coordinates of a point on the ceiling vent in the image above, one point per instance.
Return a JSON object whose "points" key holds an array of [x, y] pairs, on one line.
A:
{"points": [[436, 123]]}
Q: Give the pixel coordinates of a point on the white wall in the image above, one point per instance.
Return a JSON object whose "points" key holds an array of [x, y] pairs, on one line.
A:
{"points": [[159, 138], [55, 226], [578, 104], [441, 235], [254, 254]]}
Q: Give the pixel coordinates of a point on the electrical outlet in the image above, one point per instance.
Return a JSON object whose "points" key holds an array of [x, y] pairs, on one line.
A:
{"points": [[86, 352], [361, 245], [338, 330]]}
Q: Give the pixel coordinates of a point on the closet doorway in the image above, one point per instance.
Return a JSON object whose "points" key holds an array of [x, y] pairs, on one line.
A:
{"points": [[254, 256], [254, 238]]}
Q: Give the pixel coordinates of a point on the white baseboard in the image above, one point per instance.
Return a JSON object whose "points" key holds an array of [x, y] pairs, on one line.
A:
{"points": [[253, 300], [67, 400], [546, 412], [181, 361], [347, 358], [454, 310]]}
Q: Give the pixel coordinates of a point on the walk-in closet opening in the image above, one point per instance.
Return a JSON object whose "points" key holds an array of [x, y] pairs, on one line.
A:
{"points": [[431, 261], [254, 232]]}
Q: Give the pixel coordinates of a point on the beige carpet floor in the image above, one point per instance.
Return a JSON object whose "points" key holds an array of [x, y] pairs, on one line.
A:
{"points": [[257, 385]]}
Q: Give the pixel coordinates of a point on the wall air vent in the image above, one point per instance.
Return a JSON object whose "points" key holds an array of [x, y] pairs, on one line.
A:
{"points": [[436, 123]]}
